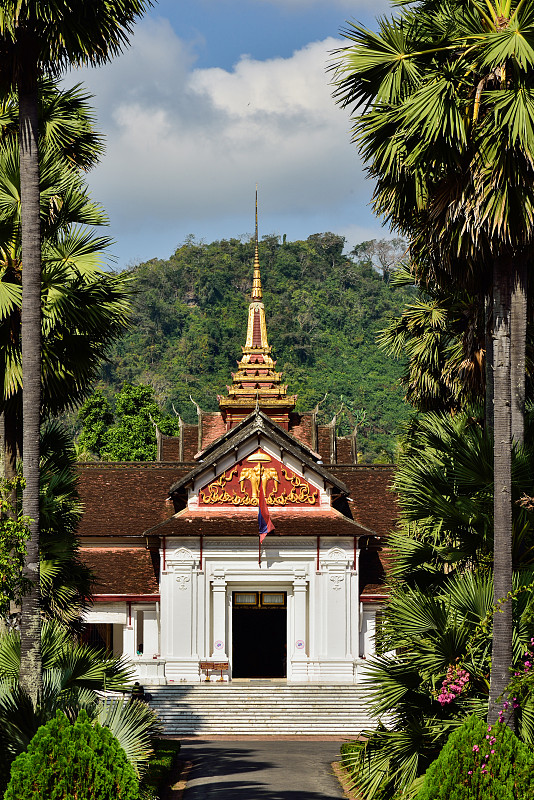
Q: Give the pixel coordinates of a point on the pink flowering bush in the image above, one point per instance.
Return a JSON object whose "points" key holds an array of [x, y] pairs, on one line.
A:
{"points": [[520, 690], [480, 762], [452, 687]]}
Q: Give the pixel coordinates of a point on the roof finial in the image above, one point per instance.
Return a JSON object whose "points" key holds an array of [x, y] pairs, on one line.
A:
{"points": [[256, 281]]}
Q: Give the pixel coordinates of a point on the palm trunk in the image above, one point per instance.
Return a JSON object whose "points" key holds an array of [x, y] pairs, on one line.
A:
{"points": [[30, 668], [504, 279], [488, 410], [518, 347]]}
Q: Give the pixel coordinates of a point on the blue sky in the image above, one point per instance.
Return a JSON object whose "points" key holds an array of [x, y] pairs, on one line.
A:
{"points": [[213, 97]]}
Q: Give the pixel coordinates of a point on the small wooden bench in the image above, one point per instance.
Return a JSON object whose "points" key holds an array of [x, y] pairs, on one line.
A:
{"points": [[210, 666]]}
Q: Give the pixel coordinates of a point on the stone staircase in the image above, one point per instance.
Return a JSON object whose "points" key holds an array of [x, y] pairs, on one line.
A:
{"points": [[249, 708]]}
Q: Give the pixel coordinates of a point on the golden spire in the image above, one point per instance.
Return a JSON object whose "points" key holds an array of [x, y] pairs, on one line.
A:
{"points": [[256, 280], [256, 384]]}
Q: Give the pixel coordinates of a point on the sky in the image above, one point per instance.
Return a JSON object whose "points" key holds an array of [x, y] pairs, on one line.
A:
{"points": [[214, 97]]}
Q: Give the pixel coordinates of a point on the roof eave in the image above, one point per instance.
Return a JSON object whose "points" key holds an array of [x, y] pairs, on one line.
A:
{"points": [[257, 422]]}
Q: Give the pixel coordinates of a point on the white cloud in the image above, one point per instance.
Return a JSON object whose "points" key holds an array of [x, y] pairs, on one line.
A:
{"points": [[184, 144]]}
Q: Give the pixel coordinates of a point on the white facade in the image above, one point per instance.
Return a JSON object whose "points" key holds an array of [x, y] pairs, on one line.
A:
{"points": [[321, 630], [328, 632]]}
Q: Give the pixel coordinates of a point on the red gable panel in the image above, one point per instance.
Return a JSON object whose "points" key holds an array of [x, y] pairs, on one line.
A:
{"points": [[239, 485]]}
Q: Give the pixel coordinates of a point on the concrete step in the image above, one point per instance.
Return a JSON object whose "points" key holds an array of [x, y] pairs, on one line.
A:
{"points": [[233, 709]]}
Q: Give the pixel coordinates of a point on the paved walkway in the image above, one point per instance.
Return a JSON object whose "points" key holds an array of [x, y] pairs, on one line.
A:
{"points": [[261, 770]]}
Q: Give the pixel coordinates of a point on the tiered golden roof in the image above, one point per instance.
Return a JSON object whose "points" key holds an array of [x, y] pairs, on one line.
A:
{"points": [[256, 383]]}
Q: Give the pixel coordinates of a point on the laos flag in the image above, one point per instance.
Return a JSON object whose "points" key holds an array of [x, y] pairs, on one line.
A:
{"points": [[264, 521]]}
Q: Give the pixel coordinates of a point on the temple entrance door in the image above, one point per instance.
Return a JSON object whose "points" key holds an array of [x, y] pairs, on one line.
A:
{"points": [[259, 635]]}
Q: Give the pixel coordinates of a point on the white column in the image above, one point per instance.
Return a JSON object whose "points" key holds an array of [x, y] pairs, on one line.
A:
{"points": [[355, 608], [299, 647], [128, 640], [369, 629], [300, 644], [178, 588], [218, 587], [336, 660], [150, 633]]}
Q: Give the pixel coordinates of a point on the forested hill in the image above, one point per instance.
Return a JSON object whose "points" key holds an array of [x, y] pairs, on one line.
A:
{"points": [[323, 309]]}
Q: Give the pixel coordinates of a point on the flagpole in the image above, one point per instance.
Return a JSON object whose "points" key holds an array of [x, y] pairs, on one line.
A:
{"points": [[259, 537]]}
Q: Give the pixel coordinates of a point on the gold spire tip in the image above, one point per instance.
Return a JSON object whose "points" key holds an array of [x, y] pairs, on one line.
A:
{"points": [[256, 281]]}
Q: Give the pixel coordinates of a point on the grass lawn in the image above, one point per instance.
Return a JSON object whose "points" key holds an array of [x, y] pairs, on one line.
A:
{"points": [[155, 781]]}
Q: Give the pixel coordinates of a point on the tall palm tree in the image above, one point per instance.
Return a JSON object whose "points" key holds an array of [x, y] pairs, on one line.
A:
{"points": [[83, 307], [444, 482], [441, 602], [38, 38], [65, 580], [424, 633], [65, 128], [448, 119]]}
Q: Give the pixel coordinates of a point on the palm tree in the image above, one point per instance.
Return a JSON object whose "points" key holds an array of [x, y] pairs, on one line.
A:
{"points": [[43, 38], [423, 633], [65, 129], [441, 585], [444, 482], [441, 337], [66, 123], [84, 308], [65, 580], [448, 118], [74, 676]]}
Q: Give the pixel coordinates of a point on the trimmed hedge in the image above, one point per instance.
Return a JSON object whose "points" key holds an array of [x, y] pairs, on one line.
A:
{"points": [[480, 763], [80, 761]]}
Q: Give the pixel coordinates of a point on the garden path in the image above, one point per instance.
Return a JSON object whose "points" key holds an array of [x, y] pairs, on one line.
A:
{"points": [[287, 769]]}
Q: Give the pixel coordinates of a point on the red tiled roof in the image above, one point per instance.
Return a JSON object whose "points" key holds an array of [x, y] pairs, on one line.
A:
{"points": [[231, 521], [301, 427], [122, 571], [127, 498], [213, 426], [372, 502], [170, 448]]}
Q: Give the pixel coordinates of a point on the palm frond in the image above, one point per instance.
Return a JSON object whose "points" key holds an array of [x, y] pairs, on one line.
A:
{"points": [[133, 724]]}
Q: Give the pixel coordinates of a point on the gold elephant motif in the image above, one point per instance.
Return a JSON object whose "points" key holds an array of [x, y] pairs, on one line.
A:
{"points": [[255, 475], [300, 492]]}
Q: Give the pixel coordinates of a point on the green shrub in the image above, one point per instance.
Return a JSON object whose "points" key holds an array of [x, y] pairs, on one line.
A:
{"points": [[79, 761], [158, 774], [347, 750], [480, 763]]}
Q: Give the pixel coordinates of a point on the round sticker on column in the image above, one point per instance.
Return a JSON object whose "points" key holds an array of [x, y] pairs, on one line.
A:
{"points": [[219, 645], [299, 644]]}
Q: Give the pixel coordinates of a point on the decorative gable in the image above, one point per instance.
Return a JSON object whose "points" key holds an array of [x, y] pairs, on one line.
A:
{"points": [[255, 453], [240, 485]]}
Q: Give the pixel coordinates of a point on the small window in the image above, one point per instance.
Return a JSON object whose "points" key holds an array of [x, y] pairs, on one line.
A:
{"points": [[273, 598], [249, 599]]}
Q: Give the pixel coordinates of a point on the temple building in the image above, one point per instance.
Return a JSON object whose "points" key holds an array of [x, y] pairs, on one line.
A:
{"points": [[181, 581]]}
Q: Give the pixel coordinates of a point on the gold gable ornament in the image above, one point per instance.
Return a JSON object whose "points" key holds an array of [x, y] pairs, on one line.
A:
{"points": [[218, 492]]}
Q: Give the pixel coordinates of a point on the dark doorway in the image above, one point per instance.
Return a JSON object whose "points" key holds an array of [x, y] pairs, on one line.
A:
{"points": [[259, 638], [99, 636]]}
